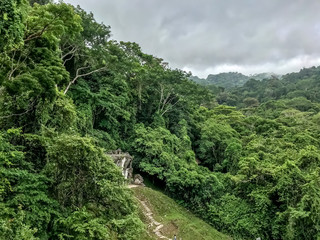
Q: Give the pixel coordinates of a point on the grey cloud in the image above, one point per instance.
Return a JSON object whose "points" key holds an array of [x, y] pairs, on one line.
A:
{"points": [[205, 34]]}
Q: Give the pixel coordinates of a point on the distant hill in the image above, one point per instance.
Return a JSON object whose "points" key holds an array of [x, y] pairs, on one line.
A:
{"points": [[300, 90], [231, 79], [227, 80]]}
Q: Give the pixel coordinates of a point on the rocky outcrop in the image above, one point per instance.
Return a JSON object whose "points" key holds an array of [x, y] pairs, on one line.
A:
{"points": [[138, 180], [123, 161]]}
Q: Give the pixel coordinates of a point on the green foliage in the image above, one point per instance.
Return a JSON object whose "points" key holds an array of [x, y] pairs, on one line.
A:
{"points": [[41, 2], [56, 184], [157, 148], [299, 87], [15, 229], [218, 145], [82, 224], [272, 156], [12, 17], [27, 210], [68, 94]]}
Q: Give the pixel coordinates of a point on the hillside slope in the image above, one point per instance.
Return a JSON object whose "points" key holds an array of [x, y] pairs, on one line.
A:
{"points": [[175, 219]]}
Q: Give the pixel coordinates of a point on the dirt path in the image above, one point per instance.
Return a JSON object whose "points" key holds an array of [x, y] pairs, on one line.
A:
{"points": [[148, 213], [153, 222]]}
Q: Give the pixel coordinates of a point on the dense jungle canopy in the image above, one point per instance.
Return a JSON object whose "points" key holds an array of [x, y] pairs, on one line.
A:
{"points": [[245, 159]]}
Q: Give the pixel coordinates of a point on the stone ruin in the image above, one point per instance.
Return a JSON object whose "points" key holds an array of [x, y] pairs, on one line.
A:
{"points": [[123, 161]]}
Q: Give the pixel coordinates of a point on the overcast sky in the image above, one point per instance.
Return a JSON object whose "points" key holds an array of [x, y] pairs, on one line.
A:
{"points": [[212, 36]]}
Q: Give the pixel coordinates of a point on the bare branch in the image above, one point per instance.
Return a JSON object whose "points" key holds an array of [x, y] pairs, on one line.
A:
{"points": [[169, 108], [72, 51], [18, 65], [165, 102], [161, 97], [66, 60], [82, 75]]}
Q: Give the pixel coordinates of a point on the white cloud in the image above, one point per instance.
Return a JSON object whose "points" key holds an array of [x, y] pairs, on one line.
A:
{"points": [[210, 36], [281, 67]]}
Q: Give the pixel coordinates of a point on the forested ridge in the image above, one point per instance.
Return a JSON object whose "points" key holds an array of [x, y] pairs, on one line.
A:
{"points": [[229, 80], [246, 160]]}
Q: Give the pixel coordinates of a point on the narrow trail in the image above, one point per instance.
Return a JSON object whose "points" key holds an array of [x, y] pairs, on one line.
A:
{"points": [[153, 222], [148, 213]]}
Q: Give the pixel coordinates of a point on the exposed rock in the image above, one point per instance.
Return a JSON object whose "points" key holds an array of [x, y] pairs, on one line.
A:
{"points": [[138, 180], [124, 161]]}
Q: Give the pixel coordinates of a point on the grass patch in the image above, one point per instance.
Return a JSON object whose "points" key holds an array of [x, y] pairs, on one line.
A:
{"points": [[176, 219]]}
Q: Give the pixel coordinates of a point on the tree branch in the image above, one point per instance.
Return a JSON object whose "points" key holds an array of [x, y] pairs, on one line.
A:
{"points": [[169, 108], [165, 102], [82, 75], [18, 64], [45, 28], [36, 35], [72, 51]]}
